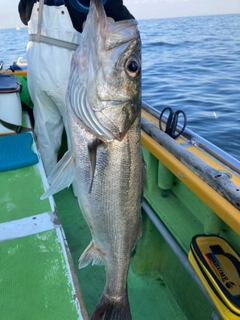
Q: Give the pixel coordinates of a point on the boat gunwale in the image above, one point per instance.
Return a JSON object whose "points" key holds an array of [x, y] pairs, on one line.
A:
{"points": [[196, 140]]}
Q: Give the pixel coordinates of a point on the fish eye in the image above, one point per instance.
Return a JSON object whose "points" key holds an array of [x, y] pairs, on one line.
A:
{"points": [[132, 67]]}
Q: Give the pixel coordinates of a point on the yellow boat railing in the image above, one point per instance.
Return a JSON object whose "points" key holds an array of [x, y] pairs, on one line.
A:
{"points": [[228, 212]]}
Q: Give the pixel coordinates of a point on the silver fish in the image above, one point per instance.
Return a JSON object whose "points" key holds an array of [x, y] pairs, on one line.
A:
{"points": [[104, 110]]}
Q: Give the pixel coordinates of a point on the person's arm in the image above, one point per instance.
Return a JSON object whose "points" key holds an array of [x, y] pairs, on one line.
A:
{"points": [[116, 10], [25, 10]]}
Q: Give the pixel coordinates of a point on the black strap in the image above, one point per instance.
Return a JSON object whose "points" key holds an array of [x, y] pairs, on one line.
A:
{"points": [[16, 128]]}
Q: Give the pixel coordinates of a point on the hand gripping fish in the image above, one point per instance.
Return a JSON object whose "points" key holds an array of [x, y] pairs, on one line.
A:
{"points": [[104, 105]]}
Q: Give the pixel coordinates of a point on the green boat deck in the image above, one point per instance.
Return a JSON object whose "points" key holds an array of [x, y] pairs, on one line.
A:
{"points": [[149, 295], [41, 242], [37, 280], [35, 271]]}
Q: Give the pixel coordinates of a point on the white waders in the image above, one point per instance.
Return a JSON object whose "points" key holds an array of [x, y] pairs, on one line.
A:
{"points": [[52, 41]]}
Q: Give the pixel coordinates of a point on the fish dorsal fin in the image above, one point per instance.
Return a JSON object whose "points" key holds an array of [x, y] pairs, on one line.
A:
{"points": [[61, 176], [90, 254]]}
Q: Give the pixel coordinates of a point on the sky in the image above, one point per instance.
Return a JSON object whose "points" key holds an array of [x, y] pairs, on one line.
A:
{"points": [[142, 9]]}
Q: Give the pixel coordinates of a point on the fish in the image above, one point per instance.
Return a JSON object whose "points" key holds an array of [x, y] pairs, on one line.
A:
{"points": [[105, 157]]}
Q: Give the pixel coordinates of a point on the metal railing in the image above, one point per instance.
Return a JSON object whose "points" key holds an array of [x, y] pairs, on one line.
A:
{"points": [[200, 142]]}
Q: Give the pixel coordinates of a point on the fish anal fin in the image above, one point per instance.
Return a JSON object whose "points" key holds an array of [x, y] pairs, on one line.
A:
{"points": [[90, 254]]}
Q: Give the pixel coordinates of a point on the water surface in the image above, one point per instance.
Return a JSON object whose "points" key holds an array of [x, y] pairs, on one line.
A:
{"points": [[190, 63]]}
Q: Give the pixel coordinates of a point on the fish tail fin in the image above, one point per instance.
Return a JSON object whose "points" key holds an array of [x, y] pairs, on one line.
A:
{"points": [[90, 254], [112, 309]]}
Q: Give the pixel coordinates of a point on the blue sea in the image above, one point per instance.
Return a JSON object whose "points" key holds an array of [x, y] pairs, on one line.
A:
{"points": [[190, 64]]}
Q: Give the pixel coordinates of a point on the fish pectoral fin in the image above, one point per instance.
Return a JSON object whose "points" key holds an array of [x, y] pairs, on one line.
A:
{"points": [[61, 176], [90, 254], [92, 153]]}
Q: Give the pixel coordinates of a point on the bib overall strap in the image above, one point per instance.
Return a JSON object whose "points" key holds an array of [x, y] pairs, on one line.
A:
{"points": [[40, 18], [44, 39]]}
